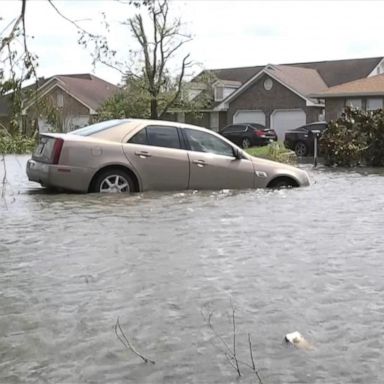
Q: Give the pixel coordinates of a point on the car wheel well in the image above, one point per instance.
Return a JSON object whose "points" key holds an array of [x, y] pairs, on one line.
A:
{"points": [[283, 181], [110, 167]]}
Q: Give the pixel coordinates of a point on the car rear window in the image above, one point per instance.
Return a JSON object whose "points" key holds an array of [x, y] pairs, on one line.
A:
{"points": [[158, 136], [98, 127], [257, 126], [166, 137]]}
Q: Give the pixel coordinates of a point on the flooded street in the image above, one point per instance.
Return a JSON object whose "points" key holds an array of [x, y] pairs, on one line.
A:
{"points": [[308, 260]]}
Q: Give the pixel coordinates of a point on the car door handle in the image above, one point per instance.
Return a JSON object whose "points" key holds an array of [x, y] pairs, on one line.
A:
{"points": [[142, 154], [199, 163]]}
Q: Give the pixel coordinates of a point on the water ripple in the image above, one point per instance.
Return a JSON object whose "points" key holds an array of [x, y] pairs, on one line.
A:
{"points": [[306, 259]]}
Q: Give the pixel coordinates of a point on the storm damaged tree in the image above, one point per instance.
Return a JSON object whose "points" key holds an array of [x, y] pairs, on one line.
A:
{"points": [[18, 64], [159, 39]]}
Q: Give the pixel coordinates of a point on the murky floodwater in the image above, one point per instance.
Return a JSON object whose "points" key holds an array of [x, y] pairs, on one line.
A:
{"points": [[308, 260]]}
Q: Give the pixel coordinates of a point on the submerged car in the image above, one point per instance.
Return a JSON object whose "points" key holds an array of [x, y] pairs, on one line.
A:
{"points": [[139, 155], [247, 135], [301, 140]]}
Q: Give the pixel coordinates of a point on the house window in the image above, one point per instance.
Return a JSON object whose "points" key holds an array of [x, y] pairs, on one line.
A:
{"points": [[353, 103], [268, 84], [374, 103], [222, 93], [219, 93], [60, 100]]}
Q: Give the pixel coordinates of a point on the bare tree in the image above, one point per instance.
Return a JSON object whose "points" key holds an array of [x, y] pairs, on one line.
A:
{"points": [[156, 52], [18, 63]]}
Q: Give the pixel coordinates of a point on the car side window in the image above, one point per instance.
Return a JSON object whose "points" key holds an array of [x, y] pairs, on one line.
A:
{"points": [[205, 142], [139, 138], [163, 136]]}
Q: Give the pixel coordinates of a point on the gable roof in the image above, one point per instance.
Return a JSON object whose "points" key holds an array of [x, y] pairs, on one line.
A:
{"points": [[239, 74], [333, 72], [336, 72], [301, 81], [89, 90], [370, 86]]}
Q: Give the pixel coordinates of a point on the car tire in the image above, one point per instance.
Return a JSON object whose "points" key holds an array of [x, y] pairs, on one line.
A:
{"points": [[113, 180], [301, 149], [282, 183], [245, 143]]}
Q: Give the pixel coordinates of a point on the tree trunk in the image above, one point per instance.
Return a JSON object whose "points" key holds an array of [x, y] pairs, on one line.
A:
{"points": [[154, 111]]}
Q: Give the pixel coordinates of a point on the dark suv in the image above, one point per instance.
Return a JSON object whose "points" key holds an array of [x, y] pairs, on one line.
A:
{"points": [[301, 140], [248, 135]]}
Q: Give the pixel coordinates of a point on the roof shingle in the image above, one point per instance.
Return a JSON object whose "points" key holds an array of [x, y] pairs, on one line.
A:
{"points": [[373, 85]]}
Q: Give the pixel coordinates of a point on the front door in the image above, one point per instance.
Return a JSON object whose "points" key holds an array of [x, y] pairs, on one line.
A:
{"points": [[213, 164]]}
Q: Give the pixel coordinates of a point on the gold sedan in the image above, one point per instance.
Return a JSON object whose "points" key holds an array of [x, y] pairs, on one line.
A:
{"points": [[134, 155]]}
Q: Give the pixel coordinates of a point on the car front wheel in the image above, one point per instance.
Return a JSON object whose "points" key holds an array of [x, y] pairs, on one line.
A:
{"points": [[246, 143], [301, 149], [114, 181], [282, 183]]}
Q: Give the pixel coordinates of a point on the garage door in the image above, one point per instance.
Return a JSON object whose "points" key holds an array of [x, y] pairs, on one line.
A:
{"points": [[283, 121], [249, 117]]}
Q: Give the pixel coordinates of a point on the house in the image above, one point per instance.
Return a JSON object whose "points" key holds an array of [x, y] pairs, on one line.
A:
{"points": [[278, 96], [366, 94], [4, 113], [66, 102]]}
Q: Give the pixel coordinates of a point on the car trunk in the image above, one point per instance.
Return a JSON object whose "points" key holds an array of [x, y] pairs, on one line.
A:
{"points": [[49, 148]]}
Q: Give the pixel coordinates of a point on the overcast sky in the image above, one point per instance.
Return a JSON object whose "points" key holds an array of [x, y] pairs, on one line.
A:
{"points": [[231, 33]]}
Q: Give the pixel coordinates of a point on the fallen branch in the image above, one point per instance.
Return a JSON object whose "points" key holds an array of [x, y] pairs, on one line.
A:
{"points": [[252, 360], [231, 353], [4, 181], [124, 340], [234, 340]]}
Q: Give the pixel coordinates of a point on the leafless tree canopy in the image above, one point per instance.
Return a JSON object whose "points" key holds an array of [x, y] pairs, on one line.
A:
{"points": [[158, 47]]}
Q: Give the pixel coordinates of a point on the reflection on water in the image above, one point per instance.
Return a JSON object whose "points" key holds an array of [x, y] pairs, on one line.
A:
{"points": [[306, 260]]}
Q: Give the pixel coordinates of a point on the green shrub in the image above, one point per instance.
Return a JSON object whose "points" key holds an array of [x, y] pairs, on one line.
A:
{"points": [[357, 138], [274, 151], [16, 144]]}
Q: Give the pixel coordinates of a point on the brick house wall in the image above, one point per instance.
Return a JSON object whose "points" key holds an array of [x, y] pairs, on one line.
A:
{"points": [[334, 106], [279, 97]]}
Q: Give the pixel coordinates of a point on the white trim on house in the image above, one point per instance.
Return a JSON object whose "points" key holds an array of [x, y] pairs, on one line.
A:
{"points": [[378, 70], [310, 103], [224, 105], [34, 99], [225, 85], [349, 94]]}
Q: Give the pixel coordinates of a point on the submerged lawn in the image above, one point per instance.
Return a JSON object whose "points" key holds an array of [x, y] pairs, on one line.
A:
{"points": [[274, 151]]}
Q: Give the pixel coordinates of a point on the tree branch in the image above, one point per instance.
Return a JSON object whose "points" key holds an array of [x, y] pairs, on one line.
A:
{"points": [[124, 340], [184, 65], [6, 40]]}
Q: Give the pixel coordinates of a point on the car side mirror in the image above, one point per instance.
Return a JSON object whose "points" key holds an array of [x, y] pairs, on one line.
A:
{"points": [[237, 153]]}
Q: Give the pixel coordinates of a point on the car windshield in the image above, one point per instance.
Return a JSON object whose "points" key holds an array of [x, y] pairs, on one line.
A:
{"points": [[98, 127]]}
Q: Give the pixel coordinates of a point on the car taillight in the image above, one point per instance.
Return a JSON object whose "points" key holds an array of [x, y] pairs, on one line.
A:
{"points": [[259, 133], [57, 147]]}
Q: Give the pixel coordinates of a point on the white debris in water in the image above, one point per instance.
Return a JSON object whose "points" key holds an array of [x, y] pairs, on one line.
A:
{"points": [[296, 339]]}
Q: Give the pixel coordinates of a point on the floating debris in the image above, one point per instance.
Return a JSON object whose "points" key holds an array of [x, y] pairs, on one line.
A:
{"points": [[296, 339]]}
